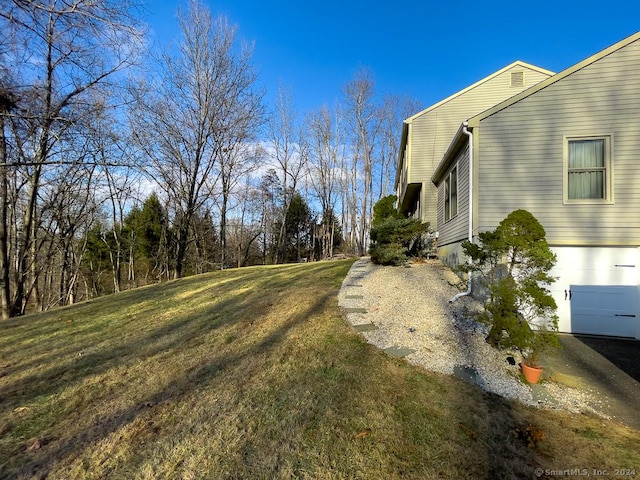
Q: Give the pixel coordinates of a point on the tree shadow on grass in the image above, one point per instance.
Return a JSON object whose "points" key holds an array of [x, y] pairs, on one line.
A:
{"points": [[166, 338], [493, 422], [83, 349], [82, 338], [65, 367]]}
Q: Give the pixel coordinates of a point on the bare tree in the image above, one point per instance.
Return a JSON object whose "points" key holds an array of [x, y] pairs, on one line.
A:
{"points": [[393, 111], [237, 161], [66, 212], [236, 122], [6, 105], [246, 227], [60, 52], [269, 190], [194, 122], [116, 184], [288, 156], [364, 120], [326, 149]]}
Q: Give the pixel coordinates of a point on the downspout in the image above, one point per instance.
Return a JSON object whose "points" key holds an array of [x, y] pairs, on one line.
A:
{"points": [[466, 131]]}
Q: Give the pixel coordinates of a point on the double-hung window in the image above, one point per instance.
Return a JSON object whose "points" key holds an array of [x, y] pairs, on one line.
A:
{"points": [[451, 194], [588, 170]]}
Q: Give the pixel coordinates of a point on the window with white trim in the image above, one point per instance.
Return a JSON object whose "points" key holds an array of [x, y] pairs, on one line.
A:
{"points": [[451, 194], [588, 169]]}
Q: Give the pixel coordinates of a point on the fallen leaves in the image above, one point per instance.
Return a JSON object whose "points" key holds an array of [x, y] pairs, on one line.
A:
{"points": [[39, 443], [470, 432], [363, 433], [35, 446], [530, 434]]}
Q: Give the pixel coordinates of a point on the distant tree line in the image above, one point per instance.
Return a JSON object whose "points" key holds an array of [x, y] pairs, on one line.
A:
{"points": [[121, 166]]}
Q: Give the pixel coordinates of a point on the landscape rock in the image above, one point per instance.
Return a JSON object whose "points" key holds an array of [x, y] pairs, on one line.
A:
{"points": [[411, 308]]}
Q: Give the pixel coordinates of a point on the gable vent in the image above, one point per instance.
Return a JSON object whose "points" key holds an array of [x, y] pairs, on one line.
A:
{"points": [[517, 79]]}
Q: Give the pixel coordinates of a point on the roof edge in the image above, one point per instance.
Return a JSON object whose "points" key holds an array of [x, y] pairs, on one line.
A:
{"points": [[475, 121], [480, 82], [448, 156]]}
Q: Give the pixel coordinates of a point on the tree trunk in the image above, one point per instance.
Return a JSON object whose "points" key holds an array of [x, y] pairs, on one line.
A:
{"points": [[20, 299], [5, 291], [181, 251], [223, 228]]}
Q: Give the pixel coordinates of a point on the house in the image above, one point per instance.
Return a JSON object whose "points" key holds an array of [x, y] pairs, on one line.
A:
{"points": [[427, 134], [568, 151]]}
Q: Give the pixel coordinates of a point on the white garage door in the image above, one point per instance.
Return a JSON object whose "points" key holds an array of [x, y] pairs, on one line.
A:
{"points": [[604, 310], [604, 290]]}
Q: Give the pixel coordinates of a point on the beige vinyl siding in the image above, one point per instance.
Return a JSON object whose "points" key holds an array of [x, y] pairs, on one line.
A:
{"points": [[457, 228], [520, 156], [431, 132]]}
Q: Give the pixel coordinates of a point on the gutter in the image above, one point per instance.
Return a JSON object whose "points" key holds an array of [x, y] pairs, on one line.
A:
{"points": [[399, 161], [467, 132]]}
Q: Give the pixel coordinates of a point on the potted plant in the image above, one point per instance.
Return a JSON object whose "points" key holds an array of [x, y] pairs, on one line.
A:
{"points": [[542, 340]]}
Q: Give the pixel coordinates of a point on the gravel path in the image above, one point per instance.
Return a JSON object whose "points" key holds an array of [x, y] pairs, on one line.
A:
{"points": [[408, 308]]}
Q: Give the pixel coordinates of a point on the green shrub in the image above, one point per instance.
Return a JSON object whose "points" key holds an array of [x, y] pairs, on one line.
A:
{"points": [[389, 254], [513, 263], [394, 239], [508, 328], [384, 209]]}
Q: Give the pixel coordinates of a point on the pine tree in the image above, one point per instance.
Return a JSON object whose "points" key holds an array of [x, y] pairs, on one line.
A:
{"points": [[513, 263]]}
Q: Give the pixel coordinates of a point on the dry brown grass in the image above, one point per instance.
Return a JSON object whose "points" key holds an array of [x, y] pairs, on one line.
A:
{"points": [[252, 373]]}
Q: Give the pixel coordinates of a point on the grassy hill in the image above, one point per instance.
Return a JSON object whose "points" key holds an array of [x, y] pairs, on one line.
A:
{"points": [[252, 373]]}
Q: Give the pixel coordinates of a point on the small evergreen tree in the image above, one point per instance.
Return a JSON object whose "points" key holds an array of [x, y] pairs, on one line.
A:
{"points": [[513, 262], [297, 239], [393, 237], [146, 231], [384, 209], [96, 260], [151, 222]]}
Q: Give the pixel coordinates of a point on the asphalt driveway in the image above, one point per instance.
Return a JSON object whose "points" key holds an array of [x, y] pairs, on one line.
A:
{"points": [[609, 368]]}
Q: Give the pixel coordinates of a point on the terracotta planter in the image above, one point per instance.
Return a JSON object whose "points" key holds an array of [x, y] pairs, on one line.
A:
{"points": [[531, 374]]}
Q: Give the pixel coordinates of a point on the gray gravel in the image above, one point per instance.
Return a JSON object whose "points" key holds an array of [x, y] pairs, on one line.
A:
{"points": [[410, 308]]}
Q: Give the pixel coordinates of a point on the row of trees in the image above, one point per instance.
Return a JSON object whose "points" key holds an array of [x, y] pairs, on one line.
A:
{"points": [[91, 123]]}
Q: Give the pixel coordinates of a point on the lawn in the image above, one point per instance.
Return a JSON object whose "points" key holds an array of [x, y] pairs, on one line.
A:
{"points": [[253, 374]]}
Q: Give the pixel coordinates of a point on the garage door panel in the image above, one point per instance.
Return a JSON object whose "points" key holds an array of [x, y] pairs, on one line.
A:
{"points": [[604, 310], [596, 265], [620, 327], [585, 321]]}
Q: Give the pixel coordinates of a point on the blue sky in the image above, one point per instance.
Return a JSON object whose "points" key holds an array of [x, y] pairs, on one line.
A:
{"points": [[424, 49]]}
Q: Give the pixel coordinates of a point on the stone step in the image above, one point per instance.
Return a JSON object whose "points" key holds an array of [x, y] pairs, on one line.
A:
{"points": [[355, 310], [365, 327], [541, 394], [466, 373], [398, 352]]}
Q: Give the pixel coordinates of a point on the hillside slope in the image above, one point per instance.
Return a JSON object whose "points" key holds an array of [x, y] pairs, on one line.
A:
{"points": [[252, 373]]}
